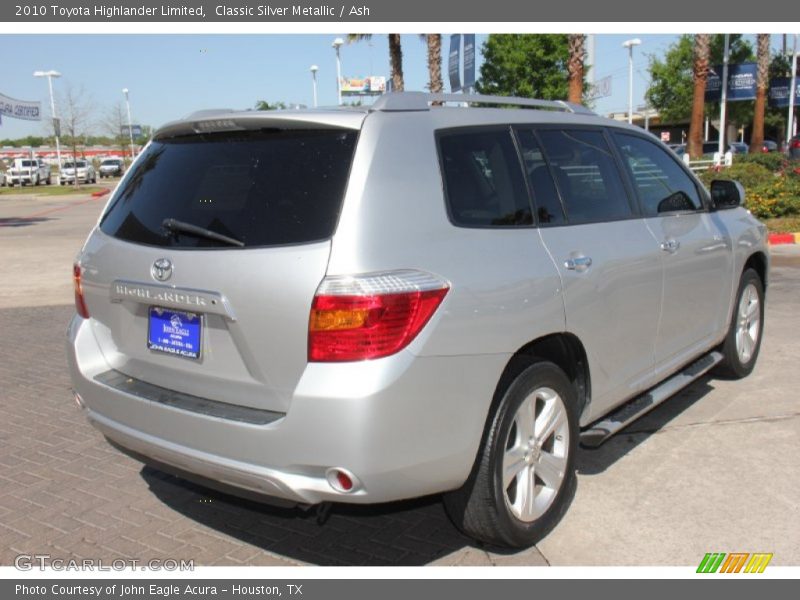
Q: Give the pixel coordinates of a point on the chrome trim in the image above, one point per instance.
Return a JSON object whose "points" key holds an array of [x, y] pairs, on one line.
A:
{"points": [[171, 297]]}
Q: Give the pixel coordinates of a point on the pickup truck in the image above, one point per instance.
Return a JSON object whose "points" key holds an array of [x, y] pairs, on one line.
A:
{"points": [[28, 170]]}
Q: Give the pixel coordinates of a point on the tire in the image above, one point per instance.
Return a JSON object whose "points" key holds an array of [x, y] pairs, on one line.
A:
{"points": [[743, 340], [492, 508], [49, 179]]}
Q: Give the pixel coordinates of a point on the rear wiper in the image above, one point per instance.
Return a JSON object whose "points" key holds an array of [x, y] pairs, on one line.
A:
{"points": [[181, 227]]}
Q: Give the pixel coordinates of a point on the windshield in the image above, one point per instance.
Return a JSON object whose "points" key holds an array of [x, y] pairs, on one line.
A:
{"points": [[263, 188], [111, 162], [28, 163]]}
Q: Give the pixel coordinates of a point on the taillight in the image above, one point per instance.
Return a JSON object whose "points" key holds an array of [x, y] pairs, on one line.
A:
{"points": [[370, 316], [796, 143], [80, 303]]}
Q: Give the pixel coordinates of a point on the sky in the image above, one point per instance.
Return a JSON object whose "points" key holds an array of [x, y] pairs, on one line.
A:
{"points": [[172, 75]]}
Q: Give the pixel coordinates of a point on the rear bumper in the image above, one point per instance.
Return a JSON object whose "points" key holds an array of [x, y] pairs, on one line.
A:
{"points": [[403, 426]]}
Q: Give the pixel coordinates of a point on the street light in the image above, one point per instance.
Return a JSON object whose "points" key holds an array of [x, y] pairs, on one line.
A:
{"points": [[56, 127], [629, 44], [314, 69], [338, 43], [130, 126]]}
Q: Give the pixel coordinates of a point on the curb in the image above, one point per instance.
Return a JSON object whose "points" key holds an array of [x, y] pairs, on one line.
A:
{"points": [[100, 193], [777, 239]]}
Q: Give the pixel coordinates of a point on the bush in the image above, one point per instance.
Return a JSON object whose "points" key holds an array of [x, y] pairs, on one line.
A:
{"points": [[780, 198], [773, 161], [750, 174]]}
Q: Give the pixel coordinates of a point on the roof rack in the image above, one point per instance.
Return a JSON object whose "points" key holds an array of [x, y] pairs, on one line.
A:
{"points": [[415, 101]]}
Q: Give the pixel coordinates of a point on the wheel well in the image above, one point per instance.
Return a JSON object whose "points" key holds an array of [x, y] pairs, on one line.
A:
{"points": [[564, 350], [758, 262]]}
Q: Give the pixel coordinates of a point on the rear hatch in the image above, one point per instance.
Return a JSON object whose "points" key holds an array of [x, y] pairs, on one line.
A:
{"points": [[201, 274]]}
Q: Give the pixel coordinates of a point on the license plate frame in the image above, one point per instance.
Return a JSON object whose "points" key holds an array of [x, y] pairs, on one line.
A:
{"points": [[175, 332]]}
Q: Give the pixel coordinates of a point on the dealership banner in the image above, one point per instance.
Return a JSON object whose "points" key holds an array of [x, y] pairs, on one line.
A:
{"points": [[741, 83], [364, 86], [29, 110], [469, 60], [779, 92], [454, 63]]}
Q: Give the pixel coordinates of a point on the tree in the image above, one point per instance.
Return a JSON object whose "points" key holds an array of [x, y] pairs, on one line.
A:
{"points": [[434, 42], [575, 66], [671, 89], [762, 83], [526, 65], [701, 55], [76, 109], [264, 105], [114, 124], [395, 57]]}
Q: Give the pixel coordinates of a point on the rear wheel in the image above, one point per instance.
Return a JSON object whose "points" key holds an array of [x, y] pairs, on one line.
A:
{"points": [[524, 478], [743, 341]]}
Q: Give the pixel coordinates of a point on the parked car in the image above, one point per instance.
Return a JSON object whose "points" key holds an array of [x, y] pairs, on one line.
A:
{"points": [[793, 147], [769, 146], [24, 171], [2, 178], [738, 148], [361, 306], [112, 167], [85, 172]]}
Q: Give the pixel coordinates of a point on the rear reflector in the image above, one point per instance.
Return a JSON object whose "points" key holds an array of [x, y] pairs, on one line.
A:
{"points": [[371, 316], [80, 303]]}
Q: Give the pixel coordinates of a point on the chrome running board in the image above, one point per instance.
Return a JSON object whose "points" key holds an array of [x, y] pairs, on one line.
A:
{"points": [[599, 432]]}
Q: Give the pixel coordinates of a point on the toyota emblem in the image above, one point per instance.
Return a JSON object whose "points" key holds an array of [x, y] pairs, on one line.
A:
{"points": [[161, 269]]}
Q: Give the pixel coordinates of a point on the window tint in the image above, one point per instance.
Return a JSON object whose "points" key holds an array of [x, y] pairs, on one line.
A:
{"points": [[545, 196], [483, 180], [260, 187], [586, 175], [663, 186]]}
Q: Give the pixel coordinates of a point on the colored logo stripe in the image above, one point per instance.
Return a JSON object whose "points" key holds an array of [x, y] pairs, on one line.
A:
{"points": [[734, 562], [758, 563]]}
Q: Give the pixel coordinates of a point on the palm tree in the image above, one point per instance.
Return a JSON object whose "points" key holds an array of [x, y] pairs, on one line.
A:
{"points": [[434, 41], [702, 51], [762, 82], [575, 44], [395, 56]]}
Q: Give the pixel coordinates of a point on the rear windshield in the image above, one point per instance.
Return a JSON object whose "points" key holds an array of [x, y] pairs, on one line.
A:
{"points": [[262, 188], [29, 163]]}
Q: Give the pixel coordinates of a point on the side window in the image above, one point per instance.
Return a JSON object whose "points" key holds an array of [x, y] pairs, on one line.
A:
{"points": [[483, 180], [545, 196], [586, 174], [663, 186]]}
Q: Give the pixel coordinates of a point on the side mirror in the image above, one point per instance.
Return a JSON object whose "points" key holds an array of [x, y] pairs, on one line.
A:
{"points": [[726, 194]]}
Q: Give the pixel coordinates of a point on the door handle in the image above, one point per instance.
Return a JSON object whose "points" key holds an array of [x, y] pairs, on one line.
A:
{"points": [[579, 263], [670, 245]]}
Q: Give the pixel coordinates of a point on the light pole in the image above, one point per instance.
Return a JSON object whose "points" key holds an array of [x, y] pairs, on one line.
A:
{"points": [[130, 125], [790, 125], [629, 44], [338, 43], [56, 127], [314, 69]]}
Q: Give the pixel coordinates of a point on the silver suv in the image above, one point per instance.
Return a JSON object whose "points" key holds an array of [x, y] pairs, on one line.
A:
{"points": [[406, 299]]}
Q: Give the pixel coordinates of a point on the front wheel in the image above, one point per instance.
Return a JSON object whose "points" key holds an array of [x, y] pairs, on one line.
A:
{"points": [[743, 340], [524, 476]]}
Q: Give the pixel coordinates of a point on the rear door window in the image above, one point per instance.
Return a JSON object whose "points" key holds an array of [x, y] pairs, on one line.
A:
{"points": [[483, 181], [263, 188], [549, 210], [586, 174]]}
